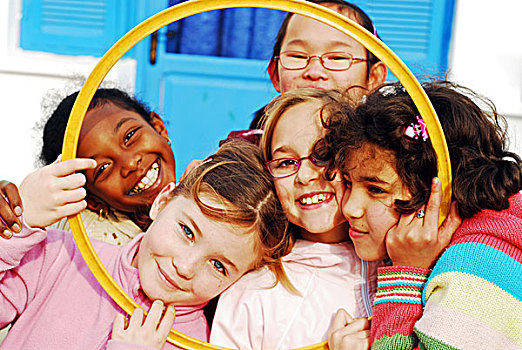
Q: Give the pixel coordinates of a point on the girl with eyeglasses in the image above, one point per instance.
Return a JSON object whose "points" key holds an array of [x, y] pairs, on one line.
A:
{"points": [[323, 268], [308, 53]]}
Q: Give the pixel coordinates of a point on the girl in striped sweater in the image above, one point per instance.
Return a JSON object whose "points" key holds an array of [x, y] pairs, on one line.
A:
{"points": [[470, 296]]}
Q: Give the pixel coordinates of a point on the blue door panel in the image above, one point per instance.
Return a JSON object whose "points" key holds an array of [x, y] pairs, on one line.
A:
{"points": [[417, 31], [203, 98], [72, 27]]}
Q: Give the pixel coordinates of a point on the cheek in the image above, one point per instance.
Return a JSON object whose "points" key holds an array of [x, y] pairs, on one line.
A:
{"points": [[287, 79], [380, 219], [283, 189], [356, 75], [339, 189]]}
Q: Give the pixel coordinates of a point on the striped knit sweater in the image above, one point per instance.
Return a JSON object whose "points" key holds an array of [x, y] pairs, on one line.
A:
{"points": [[472, 299]]}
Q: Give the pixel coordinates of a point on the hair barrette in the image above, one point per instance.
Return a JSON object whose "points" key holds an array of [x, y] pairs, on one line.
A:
{"points": [[415, 130]]}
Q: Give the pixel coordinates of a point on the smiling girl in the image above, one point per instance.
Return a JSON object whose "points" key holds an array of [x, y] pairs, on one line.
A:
{"points": [[220, 222], [323, 268], [470, 296], [134, 162]]}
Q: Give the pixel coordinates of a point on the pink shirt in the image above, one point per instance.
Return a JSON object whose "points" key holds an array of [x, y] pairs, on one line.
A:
{"points": [[55, 301], [251, 315]]}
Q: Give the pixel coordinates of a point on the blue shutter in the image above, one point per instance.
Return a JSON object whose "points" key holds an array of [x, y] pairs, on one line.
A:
{"points": [[418, 31], [74, 27]]}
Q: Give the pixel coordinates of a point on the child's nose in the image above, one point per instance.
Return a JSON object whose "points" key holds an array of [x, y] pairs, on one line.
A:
{"points": [[352, 204], [307, 172], [315, 69], [129, 162], [185, 266]]}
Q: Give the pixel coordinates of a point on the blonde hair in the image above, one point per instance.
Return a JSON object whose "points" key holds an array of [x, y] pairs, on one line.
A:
{"points": [[278, 106]]}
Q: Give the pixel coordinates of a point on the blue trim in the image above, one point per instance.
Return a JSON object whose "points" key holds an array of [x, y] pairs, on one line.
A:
{"points": [[401, 283], [392, 300]]}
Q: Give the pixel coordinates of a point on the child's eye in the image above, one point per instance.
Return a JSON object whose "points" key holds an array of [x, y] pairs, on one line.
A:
{"points": [[220, 267], [286, 163], [376, 190], [100, 170], [129, 135], [188, 232]]}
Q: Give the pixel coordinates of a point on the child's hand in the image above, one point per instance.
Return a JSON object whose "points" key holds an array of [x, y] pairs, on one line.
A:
{"points": [[10, 209], [418, 241], [153, 332], [54, 191], [347, 333]]}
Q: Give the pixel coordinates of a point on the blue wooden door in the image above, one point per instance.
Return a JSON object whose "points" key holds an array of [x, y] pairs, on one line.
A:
{"points": [[209, 76]]}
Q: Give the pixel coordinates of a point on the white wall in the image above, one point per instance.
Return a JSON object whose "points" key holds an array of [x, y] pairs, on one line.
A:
{"points": [[486, 56], [25, 78]]}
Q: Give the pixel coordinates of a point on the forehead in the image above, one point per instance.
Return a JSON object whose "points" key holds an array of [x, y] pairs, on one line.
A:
{"points": [[107, 113], [371, 161], [101, 124], [308, 32], [299, 126]]}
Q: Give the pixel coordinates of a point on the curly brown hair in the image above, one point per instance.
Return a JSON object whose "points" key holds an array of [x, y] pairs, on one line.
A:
{"points": [[485, 174]]}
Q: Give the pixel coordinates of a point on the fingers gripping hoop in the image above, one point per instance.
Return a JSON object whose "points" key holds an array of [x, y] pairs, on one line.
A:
{"points": [[189, 8]]}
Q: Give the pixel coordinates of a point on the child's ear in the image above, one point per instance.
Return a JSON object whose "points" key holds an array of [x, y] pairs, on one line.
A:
{"points": [[377, 76], [97, 205], [161, 200], [274, 75], [159, 125]]}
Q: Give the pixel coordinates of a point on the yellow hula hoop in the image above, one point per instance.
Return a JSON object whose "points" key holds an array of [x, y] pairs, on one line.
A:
{"points": [[193, 7]]}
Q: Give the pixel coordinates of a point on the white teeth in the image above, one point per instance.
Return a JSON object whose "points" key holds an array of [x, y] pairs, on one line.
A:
{"points": [[318, 198], [148, 180]]}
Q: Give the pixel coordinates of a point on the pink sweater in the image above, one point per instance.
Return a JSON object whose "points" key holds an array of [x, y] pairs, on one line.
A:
{"points": [[56, 303], [252, 315]]}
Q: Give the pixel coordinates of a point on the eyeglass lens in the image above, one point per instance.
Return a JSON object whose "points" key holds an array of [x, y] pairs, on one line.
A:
{"points": [[329, 60], [283, 167]]}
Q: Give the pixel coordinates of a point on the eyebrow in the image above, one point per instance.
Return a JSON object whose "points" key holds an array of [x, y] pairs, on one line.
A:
{"points": [[121, 122], [222, 257], [281, 149], [373, 179], [333, 43]]}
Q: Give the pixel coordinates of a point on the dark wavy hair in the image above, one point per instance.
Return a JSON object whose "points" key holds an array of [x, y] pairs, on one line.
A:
{"points": [[485, 174]]}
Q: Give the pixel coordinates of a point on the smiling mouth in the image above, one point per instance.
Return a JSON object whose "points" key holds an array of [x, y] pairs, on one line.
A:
{"points": [[315, 199], [168, 280], [148, 180]]}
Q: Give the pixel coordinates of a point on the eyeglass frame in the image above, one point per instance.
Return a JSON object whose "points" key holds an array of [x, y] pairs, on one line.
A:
{"points": [[310, 157], [353, 59]]}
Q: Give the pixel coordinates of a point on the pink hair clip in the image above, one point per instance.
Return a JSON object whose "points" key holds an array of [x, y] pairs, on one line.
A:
{"points": [[414, 130]]}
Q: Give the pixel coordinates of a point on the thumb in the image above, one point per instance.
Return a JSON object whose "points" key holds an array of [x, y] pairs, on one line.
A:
{"points": [[450, 224], [58, 159], [341, 319]]}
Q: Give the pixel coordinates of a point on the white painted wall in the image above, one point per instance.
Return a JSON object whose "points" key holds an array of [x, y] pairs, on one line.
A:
{"points": [[25, 78], [486, 56]]}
